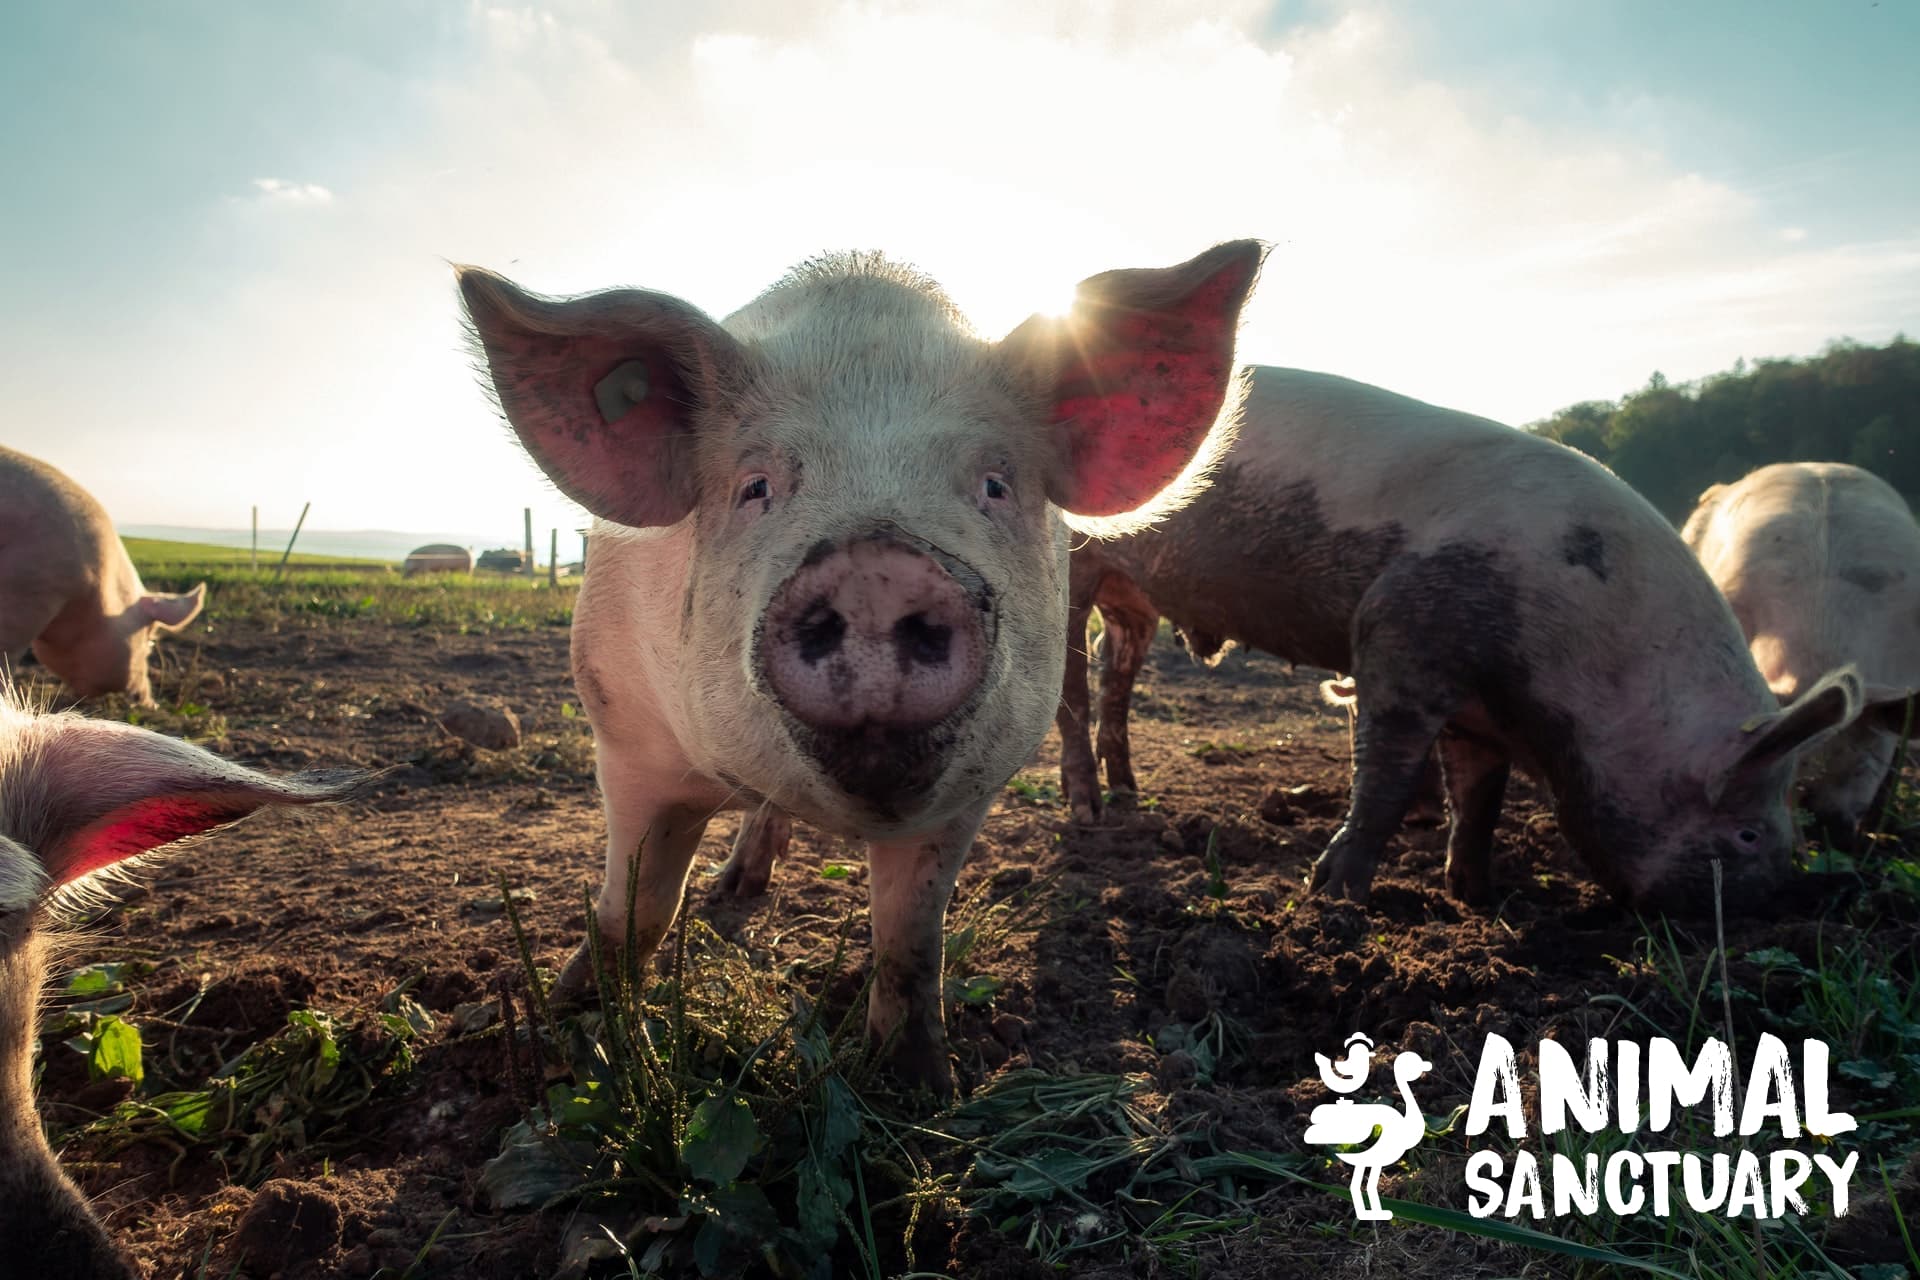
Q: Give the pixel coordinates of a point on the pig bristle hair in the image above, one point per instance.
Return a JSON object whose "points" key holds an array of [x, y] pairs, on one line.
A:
{"points": [[1192, 480], [871, 264]]}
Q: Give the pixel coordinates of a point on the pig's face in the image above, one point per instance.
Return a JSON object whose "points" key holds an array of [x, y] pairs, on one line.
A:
{"points": [[1734, 809], [877, 596], [110, 655], [875, 614]]}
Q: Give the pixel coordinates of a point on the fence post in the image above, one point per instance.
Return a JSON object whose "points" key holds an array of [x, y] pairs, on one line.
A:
{"points": [[306, 507], [528, 512], [553, 561]]}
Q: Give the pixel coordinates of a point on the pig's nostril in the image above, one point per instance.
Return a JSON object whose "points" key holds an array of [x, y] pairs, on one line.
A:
{"points": [[920, 641], [819, 631]]}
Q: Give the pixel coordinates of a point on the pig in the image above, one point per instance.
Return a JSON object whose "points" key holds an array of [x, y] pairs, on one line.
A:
{"points": [[1492, 592], [68, 590], [828, 569], [80, 797], [1821, 563]]}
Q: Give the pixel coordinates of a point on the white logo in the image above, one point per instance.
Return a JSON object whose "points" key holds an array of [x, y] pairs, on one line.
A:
{"points": [[1394, 1130], [1624, 1085]]}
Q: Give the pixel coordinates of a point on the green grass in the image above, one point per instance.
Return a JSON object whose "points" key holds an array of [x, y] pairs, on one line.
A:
{"points": [[724, 1120], [460, 602], [344, 588], [291, 1092], [161, 554]]}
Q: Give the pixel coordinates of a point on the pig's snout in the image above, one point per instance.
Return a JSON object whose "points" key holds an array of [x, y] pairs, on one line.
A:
{"points": [[876, 634]]}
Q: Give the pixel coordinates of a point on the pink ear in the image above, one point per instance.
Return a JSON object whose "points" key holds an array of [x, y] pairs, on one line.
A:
{"points": [[85, 794], [601, 389], [174, 612], [1141, 369]]}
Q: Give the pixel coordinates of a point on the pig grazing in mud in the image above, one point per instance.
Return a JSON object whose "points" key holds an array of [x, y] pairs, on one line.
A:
{"points": [[829, 567], [1821, 563], [79, 796], [67, 589], [1488, 589]]}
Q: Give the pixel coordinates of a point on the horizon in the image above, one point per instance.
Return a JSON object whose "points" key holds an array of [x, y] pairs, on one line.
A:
{"points": [[1506, 209]]}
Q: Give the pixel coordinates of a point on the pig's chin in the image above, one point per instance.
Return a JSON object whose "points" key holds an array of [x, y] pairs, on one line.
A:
{"points": [[890, 774]]}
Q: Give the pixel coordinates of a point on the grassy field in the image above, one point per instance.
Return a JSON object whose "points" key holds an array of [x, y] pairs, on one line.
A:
{"points": [[330, 586], [160, 554]]}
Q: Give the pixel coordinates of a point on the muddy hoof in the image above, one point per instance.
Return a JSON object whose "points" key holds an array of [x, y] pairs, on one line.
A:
{"points": [[1474, 888], [740, 878], [578, 984], [1344, 878], [919, 1064]]}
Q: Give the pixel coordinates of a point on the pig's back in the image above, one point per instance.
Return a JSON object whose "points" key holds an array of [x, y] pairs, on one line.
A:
{"points": [[1821, 562], [50, 528], [1333, 481]]}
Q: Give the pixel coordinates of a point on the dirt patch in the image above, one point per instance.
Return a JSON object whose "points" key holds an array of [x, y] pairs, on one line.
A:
{"points": [[1174, 939]]}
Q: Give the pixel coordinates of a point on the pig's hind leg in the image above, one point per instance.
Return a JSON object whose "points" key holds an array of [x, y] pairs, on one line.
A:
{"points": [[1476, 780], [765, 833]]}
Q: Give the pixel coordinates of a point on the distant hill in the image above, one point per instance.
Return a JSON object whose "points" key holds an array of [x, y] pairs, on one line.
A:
{"points": [[1850, 403]]}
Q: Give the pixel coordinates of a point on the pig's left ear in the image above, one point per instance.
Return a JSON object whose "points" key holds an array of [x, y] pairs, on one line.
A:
{"points": [[88, 793], [172, 612], [1138, 373], [1766, 741]]}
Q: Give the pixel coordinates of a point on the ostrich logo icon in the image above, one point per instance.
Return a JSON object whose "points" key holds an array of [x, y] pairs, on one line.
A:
{"points": [[1344, 1122]]}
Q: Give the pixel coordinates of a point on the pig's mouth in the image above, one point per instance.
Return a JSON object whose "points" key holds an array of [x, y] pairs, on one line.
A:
{"points": [[888, 769]]}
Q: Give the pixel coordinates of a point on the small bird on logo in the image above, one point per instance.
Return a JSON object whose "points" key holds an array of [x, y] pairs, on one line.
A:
{"points": [[1348, 1074]]}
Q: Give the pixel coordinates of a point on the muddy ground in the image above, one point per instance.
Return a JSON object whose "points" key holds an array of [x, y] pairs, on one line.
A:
{"points": [[335, 910]]}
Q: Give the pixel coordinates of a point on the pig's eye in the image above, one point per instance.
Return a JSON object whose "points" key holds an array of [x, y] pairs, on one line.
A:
{"points": [[994, 487], [1747, 836], [756, 489]]}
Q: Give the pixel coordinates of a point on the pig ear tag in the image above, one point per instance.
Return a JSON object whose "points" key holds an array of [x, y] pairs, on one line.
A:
{"points": [[618, 392], [1755, 722]]}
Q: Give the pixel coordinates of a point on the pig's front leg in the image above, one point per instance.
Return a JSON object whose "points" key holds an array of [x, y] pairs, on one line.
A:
{"points": [[1389, 751], [1079, 774], [664, 837], [912, 881], [1129, 635], [765, 833]]}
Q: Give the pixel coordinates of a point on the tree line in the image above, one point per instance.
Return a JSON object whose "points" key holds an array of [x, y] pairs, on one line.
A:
{"points": [[1851, 403]]}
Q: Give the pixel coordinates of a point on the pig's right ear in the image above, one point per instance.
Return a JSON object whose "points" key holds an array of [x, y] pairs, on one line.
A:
{"points": [[602, 389], [87, 794]]}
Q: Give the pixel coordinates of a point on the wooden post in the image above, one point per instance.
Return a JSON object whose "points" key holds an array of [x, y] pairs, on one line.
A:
{"points": [[529, 516], [553, 561], [583, 552], [253, 557], [305, 507]]}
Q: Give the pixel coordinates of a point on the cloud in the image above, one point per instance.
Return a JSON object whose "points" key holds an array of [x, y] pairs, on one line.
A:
{"points": [[279, 191], [1428, 237]]}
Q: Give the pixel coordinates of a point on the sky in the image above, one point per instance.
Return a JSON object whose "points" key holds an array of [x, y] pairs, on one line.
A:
{"points": [[226, 228]]}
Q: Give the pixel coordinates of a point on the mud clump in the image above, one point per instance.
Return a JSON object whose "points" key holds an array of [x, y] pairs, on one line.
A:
{"points": [[488, 724]]}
